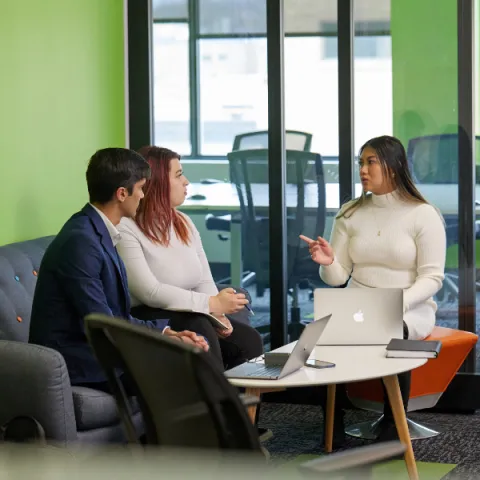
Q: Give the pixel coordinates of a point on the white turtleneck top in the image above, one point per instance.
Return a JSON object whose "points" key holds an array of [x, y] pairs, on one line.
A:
{"points": [[391, 243]]}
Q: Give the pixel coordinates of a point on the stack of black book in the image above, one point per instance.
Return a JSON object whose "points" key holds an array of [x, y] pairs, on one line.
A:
{"points": [[399, 348]]}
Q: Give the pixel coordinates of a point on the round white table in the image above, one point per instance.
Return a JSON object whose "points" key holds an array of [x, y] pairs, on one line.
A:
{"points": [[352, 364]]}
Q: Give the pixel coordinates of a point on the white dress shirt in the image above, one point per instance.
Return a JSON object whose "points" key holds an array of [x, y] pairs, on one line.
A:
{"points": [[112, 229]]}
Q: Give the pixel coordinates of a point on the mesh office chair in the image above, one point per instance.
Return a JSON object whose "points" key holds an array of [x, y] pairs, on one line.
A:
{"points": [[294, 140], [187, 402], [448, 295], [306, 212], [433, 159]]}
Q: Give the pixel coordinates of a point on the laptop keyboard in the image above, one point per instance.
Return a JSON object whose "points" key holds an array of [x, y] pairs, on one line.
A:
{"points": [[270, 371]]}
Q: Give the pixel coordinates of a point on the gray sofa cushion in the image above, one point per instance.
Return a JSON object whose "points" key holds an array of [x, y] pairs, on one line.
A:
{"points": [[96, 409], [19, 264], [112, 434]]}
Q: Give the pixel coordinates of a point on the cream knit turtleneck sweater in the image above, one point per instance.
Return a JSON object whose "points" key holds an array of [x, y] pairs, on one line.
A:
{"points": [[390, 243]]}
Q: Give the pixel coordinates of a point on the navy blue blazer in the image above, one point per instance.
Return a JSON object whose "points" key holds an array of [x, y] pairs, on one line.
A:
{"points": [[80, 273]]}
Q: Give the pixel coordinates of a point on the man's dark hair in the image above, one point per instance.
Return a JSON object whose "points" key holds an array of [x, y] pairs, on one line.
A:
{"points": [[112, 168]]}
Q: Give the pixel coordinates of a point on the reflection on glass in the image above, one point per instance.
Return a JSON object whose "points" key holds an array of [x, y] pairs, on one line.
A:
{"points": [[232, 16], [170, 9], [311, 105], [233, 93], [171, 107], [419, 106], [308, 16], [476, 96]]}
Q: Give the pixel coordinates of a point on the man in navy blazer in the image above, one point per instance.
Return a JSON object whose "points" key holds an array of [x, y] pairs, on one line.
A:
{"points": [[81, 272]]}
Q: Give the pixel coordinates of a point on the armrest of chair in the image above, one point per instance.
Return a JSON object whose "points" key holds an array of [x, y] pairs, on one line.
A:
{"points": [[249, 400], [34, 381], [352, 461]]}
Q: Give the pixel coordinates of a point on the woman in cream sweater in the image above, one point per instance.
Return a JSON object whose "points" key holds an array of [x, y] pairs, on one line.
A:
{"points": [[390, 237]]}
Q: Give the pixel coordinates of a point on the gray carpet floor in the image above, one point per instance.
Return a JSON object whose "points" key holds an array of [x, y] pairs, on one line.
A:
{"points": [[298, 429]]}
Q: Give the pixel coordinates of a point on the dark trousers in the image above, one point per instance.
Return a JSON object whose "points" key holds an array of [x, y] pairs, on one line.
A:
{"points": [[105, 386], [243, 344]]}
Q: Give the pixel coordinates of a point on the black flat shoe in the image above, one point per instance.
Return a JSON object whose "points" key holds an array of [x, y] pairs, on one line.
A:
{"points": [[388, 431]]}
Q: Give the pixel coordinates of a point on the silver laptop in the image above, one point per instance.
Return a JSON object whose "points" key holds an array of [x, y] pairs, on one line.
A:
{"points": [[361, 316], [296, 360]]}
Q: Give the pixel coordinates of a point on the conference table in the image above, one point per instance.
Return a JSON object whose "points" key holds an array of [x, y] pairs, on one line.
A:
{"points": [[352, 364], [222, 198]]}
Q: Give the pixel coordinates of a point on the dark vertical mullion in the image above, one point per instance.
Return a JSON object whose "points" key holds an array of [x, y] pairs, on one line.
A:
{"points": [[140, 91], [345, 99], [194, 81], [276, 172], [466, 172]]}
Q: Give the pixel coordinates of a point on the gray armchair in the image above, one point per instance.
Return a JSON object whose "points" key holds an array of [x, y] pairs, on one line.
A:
{"points": [[34, 380]]}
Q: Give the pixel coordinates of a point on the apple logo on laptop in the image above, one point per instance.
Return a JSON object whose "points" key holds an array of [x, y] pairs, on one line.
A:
{"points": [[358, 316]]}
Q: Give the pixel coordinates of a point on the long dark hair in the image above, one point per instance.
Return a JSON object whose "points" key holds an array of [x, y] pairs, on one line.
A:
{"points": [[155, 215], [393, 160]]}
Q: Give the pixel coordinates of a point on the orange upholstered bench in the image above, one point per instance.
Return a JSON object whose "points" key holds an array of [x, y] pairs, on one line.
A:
{"points": [[428, 382]]}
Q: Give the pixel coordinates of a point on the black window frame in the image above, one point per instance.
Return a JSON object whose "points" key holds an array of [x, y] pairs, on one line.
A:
{"points": [[375, 29]]}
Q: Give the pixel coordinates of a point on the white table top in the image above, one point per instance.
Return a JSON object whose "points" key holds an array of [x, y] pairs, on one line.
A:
{"points": [[351, 364], [223, 196]]}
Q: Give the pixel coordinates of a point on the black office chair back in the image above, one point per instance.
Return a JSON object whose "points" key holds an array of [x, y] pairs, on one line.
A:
{"points": [[294, 140], [305, 188], [185, 400], [434, 158]]}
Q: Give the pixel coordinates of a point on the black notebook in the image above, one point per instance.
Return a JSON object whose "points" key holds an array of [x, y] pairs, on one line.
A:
{"points": [[399, 348]]}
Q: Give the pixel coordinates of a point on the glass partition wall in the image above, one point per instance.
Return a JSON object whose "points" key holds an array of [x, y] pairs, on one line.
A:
{"points": [[403, 72]]}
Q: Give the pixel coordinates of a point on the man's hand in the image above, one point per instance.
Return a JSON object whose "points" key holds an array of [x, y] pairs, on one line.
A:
{"points": [[188, 337], [220, 331]]}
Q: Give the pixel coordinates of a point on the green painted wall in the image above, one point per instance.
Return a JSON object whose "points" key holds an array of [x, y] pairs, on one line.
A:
{"points": [[424, 67], [61, 98]]}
